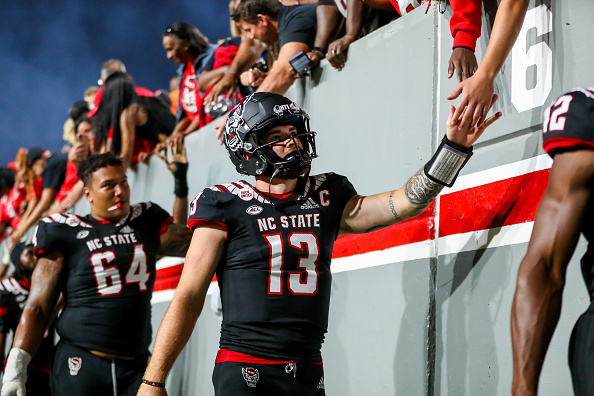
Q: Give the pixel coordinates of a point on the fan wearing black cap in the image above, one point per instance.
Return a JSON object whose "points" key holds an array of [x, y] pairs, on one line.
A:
{"points": [[14, 291], [52, 169], [270, 245]]}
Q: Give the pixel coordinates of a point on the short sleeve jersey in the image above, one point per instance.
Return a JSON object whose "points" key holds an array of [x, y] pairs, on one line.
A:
{"points": [[297, 23], [569, 125], [109, 277], [275, 275]]}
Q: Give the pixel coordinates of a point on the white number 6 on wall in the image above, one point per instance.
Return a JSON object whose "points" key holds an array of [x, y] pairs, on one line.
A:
{"points": [[538, 55]]}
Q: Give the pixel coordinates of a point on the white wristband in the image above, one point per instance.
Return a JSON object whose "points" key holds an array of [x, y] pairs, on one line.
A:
{"points": [[16, 366]]}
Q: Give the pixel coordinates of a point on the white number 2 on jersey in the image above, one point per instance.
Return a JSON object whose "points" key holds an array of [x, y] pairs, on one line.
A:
{"points": [[108, 278], [308, 262]]}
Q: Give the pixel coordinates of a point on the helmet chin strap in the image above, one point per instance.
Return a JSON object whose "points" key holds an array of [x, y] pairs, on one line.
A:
{"points": [[296, 159]]}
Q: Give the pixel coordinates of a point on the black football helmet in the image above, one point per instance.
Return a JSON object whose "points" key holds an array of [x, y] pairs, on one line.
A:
{"points": [[251, 119]]}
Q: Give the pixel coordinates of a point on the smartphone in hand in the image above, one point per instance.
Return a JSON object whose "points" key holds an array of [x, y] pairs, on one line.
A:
{"points": [[299, 63]]}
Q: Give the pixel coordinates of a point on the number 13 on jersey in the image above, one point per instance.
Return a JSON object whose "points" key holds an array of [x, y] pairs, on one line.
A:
{"points": [[304, 241]]}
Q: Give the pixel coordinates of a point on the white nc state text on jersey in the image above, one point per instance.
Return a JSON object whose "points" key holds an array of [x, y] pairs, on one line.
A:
{"points": [[306, 220], [110, 240]]}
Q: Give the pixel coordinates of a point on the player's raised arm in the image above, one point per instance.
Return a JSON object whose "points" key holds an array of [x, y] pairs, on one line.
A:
{"points": [[44, 294], [178, 323], [363, 214], [176, 240]]}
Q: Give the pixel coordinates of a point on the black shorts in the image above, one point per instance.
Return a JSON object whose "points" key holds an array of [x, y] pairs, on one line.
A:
{"points": [[38, 382], [581, 354], [76, 371], [248, 379]]}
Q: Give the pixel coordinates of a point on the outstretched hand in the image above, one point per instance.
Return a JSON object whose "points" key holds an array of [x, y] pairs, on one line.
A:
{"points": [[477, 92], [468, 136], [177, 152]]}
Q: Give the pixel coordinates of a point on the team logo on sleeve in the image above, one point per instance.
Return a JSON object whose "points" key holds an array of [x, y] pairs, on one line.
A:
{"points": [[251, 376], [74, 364]]}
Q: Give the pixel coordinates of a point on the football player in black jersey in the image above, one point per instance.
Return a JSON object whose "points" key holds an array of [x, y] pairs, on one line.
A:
{"points": [[14, 291], [270, 246], [104, 266], [565, 211]]}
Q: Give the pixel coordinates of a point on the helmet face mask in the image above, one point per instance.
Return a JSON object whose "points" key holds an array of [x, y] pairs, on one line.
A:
{"points": [[249, 121]]}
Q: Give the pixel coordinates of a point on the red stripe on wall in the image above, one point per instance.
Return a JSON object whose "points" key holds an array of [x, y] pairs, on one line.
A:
{"points": [[417, 229], [498, 204]]}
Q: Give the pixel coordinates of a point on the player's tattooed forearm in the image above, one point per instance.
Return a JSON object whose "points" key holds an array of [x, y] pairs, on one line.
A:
{"points": [[420, 190], [391, 203]]}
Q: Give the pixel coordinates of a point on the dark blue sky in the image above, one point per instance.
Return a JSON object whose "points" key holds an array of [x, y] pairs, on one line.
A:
{"points": [[52, 51]]}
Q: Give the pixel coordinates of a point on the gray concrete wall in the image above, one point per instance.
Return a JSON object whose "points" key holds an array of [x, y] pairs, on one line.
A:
{"points": [[437, 325]]}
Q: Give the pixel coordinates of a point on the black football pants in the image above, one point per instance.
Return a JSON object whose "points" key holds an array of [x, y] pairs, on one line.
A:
{"points": [[248, 379], [76, 371]]}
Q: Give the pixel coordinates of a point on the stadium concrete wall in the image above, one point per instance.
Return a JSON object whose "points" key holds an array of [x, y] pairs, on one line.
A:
{"points": [[423, 307]]}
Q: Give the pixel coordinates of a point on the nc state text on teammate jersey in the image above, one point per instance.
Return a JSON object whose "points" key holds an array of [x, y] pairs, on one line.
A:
{"points": [[115, 239], [306, 220]]}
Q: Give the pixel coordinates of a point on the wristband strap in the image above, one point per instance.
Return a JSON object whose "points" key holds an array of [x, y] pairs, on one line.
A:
{"points": [[320, 50], [180, 188], [446, 163], [153, 383], [230, 72]]}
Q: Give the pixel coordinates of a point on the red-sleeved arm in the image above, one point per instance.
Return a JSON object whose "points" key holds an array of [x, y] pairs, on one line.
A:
{"points": [[465, 24]]}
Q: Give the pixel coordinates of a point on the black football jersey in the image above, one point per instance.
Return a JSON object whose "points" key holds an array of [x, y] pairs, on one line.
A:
{"points": [[109, 277], [13, 296], [275, 272], [569, 125], [569, 122]]}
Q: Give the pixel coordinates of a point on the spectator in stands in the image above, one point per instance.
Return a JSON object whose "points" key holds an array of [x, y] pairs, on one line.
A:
{"points": [[475, 91], [290, 29], [23, 193], [6, 180], [249, 53], [213, 71], [465, 26], [186, 46], [72, 188], [53, 171], [109, 67], [14, 292], [89, 96], [28, 188], [78, 109], [124, 117], [361, 20]]}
